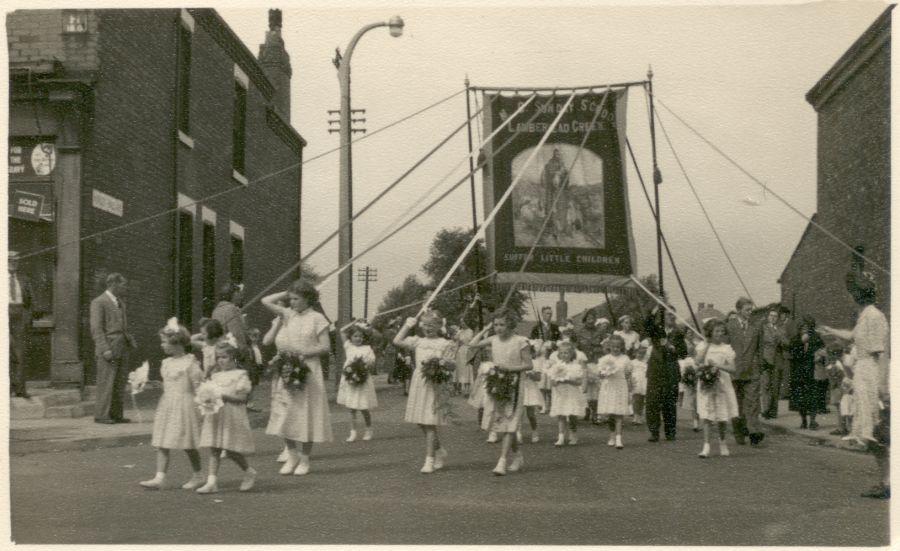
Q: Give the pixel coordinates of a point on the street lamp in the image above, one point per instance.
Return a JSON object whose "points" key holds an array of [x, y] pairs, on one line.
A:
{"points": [[345, 205]]}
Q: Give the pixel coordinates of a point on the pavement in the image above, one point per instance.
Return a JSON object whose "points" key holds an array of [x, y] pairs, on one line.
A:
{"points": [[788, 422], [785, 493]]}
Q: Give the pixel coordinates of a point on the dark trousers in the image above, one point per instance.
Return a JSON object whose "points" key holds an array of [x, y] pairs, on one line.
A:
{"points": [[771, 379], [18, 336], [659, 405], [747, 392], [111, 378]]}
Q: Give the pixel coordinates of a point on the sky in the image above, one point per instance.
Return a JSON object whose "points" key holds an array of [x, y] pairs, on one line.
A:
{"points": [[737, 73]]}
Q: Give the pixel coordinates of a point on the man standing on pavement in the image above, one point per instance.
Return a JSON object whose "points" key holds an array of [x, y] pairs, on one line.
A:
{"points": [[773, 342], [109, 328], [746, 339], [19, 321], [545, 329], [663, 372]]}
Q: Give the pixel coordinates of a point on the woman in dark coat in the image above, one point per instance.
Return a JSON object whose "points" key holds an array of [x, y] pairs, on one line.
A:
{"points": [[804, 388]]}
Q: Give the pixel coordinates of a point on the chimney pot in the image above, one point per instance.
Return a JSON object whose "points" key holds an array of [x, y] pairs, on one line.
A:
{"points": [[274, 20]]}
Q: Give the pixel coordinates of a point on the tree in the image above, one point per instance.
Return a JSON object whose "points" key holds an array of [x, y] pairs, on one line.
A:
{"points": [[632, 302], [408, 292]]}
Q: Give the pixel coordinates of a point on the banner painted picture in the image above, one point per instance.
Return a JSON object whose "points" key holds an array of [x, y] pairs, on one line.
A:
{"points": [[587, 244]]}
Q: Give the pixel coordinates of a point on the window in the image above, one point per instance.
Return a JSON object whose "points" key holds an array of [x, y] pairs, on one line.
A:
{"points": [[209, 267], [184, 78], [185, 268], [238, 159], [237, 259]]}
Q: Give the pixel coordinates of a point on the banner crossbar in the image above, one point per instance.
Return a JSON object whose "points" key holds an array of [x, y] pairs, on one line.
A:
{"points": [[557, 88]]}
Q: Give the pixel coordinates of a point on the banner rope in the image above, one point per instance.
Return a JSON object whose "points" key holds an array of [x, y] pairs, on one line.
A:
{"points": [[500, 203], [774, 194]]}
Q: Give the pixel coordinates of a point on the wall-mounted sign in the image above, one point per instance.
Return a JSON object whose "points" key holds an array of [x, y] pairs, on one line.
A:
{"points": [[108, 203], [26, 205], [31, 159]]}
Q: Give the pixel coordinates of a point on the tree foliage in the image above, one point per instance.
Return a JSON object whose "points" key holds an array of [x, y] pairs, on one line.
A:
{"points": [[635, 304]]}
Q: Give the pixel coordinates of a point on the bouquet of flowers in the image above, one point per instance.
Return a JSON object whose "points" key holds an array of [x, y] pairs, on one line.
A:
{"points": [[559, 374], [689, 376], [533, 374], [501, 384], [294, 372], [356, 372], [208, 398], [592, 373], [138, 378], [438, 371], [708, 376]]}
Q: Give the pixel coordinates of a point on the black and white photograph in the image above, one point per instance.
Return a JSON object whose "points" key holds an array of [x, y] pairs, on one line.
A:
{"points": [[580, 273]]}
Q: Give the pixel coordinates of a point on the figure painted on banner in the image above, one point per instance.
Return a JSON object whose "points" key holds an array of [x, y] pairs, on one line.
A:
{"points": [[546, 329], [109, 329], [745, 338], [552, 177], [668, 346], [20, 299]]}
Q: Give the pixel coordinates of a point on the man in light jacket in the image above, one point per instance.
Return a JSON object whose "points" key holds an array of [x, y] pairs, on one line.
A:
{"points": [[109, 329]]}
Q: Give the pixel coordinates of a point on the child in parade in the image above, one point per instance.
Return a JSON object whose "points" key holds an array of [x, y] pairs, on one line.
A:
{"points": [[228, 429], [843, 370], [511, 355], [566, 375], [542, 363], [358, 397], [275, 404], [175, 425], [533, 398], [211, 332], [425, 405], [255, 367], [612, 400], [639, 381], [687, 386], [716, 400], [629, 336], [463, 334]]}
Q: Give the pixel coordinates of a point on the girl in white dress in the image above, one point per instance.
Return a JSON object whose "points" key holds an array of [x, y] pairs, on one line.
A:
{"points": [[302, 416], [542, 364], [718, 403], [176, 426], [358, 397], [566, 375], [689, 392], [629, 336], [275, 403], [533, 399], [639, 381], [228, 429], [423, 406], [463, 356], [612, 398], [510, 353]]}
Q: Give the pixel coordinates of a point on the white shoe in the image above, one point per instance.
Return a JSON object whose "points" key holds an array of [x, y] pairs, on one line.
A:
{"points": [[492, 438], [290, 464], [302, 466], [352, 437], [704, 453], [283, 456], [535, 438], [612, 440], [619, 444], [500, 469], [519, 437], [223, 454], [249, 479], [561, 441], [573, 439], [439, 456], [154, 483], [195, 482], [210, 487], [517, 463], [367, 435], [428, 467], [723, 448]]}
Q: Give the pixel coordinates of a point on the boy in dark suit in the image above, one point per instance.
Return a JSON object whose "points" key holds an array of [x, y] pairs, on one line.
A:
{"points": [[663, 372]]}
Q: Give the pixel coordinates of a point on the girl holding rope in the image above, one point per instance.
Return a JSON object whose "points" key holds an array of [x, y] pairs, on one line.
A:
{"points": [[511, 354]]}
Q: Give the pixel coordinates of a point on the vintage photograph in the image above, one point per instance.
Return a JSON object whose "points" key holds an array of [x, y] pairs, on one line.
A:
{"points": [[583, 273]]}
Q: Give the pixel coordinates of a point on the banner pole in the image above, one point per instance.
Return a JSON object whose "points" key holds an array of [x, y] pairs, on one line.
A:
{"points": [[474, 210], [657, 179]]}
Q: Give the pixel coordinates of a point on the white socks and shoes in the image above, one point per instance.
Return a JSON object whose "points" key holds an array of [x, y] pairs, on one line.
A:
{"points": [[210, 487], [723, 448], [519, 437], [573, 439], [492, 437], [283, 456], [535, 438], [704, 453], [352, 437], [428, 467], [293, 458], [619, 444], [612, 440], [249, 479], [440, 455], [367, 435], [156, 482], [302, 466], [517, 462], [500, 469], [561, 441], [195, 482]]}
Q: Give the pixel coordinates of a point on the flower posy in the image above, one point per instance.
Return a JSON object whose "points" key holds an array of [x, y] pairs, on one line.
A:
{"points": [[294, 372], [208, 398], [139, 377], [356, 372], [501, 384], [707, 375]]}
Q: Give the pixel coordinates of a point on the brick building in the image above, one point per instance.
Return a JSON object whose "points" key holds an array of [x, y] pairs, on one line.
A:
{"points": [[853, 198], [120, 121]]}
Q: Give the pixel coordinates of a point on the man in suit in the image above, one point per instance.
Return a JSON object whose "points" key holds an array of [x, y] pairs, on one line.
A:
{"points": [[663, 372], [545, 329], [20, 298], [109, 328], [746, 340]]}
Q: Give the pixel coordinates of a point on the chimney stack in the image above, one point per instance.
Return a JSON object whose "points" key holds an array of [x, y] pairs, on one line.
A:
{"points": [[276, 63]]}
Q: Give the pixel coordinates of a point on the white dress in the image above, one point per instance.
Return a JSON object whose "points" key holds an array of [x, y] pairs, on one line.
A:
{"points": [[303, 415], [566, 399], [420, 406], [176, 425], [229, 428], [542, 364], [631, 338], [719, 403], [358, 396], [638, 377], [869, 336], [534, 379], [612, 398], [689, 392], [464, 356], [477, 395], [506, 417]]}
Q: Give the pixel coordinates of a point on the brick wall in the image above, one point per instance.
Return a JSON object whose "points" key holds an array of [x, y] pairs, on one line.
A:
{"points": [[34, 35], [853, 196]]}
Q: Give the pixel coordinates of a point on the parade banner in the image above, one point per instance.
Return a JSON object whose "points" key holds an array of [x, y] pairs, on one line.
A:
{"points": [[588, 244]]}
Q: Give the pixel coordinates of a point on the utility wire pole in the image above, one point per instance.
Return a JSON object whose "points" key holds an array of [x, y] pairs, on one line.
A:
{"points": [[366, 275]]}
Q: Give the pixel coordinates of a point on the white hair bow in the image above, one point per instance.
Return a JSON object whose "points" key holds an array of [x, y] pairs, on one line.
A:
{"points": [[172, 326], [229, 338], [601, 321]]}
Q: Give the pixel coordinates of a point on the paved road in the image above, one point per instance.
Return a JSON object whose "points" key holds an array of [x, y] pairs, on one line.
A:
{"points": [[789, 493]]}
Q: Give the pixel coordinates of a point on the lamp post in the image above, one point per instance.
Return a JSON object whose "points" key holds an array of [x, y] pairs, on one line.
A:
{"points": [[345, 206]]}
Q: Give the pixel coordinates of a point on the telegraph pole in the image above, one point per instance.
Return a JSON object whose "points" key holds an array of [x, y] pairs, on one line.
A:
{"points": [[366, 275]]}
